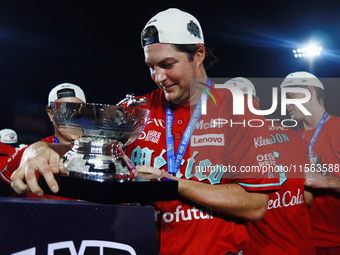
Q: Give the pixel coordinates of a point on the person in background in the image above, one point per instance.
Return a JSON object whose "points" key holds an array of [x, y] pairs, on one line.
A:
{"points": [[285, 229], [8, 142], [322, 132], [65, 92]]}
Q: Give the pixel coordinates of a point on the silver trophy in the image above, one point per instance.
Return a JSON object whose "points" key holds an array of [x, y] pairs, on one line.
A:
{"points": [[100, 132]]}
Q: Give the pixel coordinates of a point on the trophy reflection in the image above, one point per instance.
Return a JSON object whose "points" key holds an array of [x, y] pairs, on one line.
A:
{"points": [[100, 132]]}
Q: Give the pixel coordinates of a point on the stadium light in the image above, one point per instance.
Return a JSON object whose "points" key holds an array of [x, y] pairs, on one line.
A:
{"points": [[309, 51]]}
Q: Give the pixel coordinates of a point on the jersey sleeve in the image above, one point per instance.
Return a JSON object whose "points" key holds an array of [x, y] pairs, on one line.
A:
{"points": [[14, 162], [12, 165]]}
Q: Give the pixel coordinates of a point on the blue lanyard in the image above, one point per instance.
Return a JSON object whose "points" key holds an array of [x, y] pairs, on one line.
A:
{"points": [[174, 163], [316, 132], [55, 139]]}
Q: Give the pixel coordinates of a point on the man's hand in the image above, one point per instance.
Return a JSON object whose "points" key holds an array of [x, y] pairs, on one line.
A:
{"points": [[37, 157], [314, 180], [230, 199], [148, 173], [318, 181]]}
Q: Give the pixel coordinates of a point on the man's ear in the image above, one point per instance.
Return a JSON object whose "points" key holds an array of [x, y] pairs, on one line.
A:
{"points": [[312, 91], [49, 113], [200, 53]]}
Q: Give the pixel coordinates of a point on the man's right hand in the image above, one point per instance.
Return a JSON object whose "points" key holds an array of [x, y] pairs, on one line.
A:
{"points": [[38, 157]]}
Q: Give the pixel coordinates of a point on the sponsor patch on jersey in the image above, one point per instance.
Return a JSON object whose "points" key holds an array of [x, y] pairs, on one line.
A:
{"points": [[208, 139], [260, 141], [153, 136]]}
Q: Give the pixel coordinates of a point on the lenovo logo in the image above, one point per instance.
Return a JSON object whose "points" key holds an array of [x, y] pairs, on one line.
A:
{"points": [[209, 139]]}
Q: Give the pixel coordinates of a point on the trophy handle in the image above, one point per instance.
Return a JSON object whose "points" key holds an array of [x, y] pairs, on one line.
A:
{"points": [[131, 101], [129, 163]]}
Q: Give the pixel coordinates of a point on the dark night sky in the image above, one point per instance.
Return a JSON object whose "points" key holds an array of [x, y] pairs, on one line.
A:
{"points": [[96, 45]]}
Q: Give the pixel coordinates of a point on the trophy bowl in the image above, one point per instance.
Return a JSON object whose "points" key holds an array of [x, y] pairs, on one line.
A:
{"points": [[99, 133]]}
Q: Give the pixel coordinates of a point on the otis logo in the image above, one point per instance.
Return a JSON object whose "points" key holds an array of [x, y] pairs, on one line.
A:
{"points": [[209, 139]]}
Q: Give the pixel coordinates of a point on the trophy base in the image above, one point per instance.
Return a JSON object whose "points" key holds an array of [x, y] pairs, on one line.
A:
{"points": [[101, 177], [97, 166], [113, 192]]}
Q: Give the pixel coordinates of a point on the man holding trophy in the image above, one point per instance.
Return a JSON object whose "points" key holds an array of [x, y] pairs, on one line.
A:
{"points": [[208, 216]]}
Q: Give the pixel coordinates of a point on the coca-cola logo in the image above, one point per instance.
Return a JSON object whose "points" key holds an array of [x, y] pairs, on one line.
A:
{"points": [[279, 200]]}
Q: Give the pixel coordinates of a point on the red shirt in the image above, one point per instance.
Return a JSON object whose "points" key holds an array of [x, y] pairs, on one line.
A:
{"points": [[324, 213], [285, 229], [183, 226]]}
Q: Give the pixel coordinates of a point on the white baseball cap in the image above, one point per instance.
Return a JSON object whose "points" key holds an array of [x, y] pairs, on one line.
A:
{"points": [[301, 79], [243, 84], [176, 27], [66, 90], [8, 136]]}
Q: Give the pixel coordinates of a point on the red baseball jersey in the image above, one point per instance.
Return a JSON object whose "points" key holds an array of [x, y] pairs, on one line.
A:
{"points": [[219, 152], [285, 229], [324, 217]]}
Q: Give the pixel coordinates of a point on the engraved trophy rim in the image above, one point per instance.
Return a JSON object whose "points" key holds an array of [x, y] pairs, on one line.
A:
{"points": [[91, 125]]}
